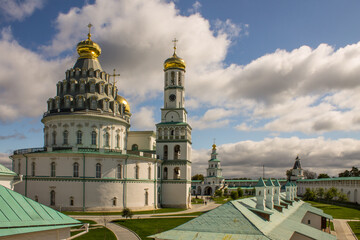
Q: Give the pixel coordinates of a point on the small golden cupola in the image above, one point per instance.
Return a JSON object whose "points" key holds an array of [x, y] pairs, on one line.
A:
{"points": [[174, 61], [88, 48], [122, 100]]}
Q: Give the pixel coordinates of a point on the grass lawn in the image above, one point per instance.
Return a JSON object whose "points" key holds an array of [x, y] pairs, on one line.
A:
{"points": [[161, 210], [197, 201], [147, 227], [185, 214], [222, 200], [355, 226], [98, 233], [338, 211]]}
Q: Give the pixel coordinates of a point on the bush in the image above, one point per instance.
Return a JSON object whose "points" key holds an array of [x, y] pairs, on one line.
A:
{"points": [[320, 193], [240, 192], [219, 193], [234, 195], [331, 193], [342, 197], [127, 213], [309, 195]]}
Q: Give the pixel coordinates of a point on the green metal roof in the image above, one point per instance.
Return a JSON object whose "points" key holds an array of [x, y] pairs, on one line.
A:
{"points": [[19, 214], [237, 220], [276, 183], [260, 183], [269, 183], [214, 160], [5, 171], [196, 181], [329, 179]]}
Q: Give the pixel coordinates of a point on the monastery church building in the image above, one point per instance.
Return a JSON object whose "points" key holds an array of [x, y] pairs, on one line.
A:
{"points": [[92, 161]]}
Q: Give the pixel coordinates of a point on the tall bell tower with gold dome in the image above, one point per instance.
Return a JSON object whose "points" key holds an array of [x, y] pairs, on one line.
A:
{"points": [[173, 142]]}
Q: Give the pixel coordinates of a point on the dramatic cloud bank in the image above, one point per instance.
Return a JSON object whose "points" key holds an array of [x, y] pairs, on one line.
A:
{"points": [[246, 158]]}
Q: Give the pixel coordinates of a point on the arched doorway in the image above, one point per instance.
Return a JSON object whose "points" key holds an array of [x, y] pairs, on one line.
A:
{"points": [[208, 191]]}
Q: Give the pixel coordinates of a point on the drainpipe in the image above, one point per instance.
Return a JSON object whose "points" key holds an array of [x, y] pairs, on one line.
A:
{"points": [[26, 174], [155, 181], [125, 181], [83, 182]]}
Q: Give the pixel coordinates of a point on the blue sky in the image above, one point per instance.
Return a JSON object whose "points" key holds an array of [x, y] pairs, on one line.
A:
{"points": [[267, 79]]}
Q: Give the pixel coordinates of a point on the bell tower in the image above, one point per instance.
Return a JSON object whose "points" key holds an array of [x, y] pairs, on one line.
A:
{"points": [[173, 138]]}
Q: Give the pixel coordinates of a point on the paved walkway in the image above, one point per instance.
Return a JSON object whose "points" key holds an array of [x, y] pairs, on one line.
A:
{"points": [[124, 233], [343, 230]]}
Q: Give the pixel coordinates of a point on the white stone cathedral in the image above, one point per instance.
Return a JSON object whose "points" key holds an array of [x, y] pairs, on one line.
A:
{"points": [[91, 161]]}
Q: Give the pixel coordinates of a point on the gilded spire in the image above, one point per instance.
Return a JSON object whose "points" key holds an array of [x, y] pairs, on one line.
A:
{"points": [[89, 34], [88, 48], [174, 61]]}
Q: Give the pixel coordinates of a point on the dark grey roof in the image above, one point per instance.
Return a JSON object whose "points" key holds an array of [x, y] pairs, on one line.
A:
{"points": [[297, 164], [87, 63]]}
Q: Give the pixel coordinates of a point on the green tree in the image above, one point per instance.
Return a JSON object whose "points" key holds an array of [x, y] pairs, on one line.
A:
{"points": [[354, 172], [309, 195], [331, 193], [288, 174], [342, 197], [219, 193], [240, 192], [309, 174], [234, 195], [127, 213], [323, 175], [320, 193], [198, 177]]}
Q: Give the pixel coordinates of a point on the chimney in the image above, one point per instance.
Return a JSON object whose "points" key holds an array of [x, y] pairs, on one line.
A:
{"points": [[277, 187], [260, 191], [269, 194]]}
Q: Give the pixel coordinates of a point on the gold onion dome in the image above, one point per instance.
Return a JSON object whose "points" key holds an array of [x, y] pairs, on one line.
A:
{"points": [[122, 100], [88, 48], [214, 146], [174, 61]]}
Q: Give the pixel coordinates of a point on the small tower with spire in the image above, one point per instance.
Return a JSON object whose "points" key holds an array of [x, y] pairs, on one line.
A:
{"points": [[297, 172], [214, 176], [269, 194], [260, 191], [277, 187]]}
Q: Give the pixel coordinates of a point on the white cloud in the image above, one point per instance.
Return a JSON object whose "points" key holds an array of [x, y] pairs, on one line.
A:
{"points": [[26, 80], [143, 119], [5, 160], [18, 10], [245, 159], [195, 8], [213, 118]]}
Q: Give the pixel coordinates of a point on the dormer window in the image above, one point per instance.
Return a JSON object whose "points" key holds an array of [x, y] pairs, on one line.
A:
{"points": [[93, 104], [92, 87], [101, 88], [106, 105]]}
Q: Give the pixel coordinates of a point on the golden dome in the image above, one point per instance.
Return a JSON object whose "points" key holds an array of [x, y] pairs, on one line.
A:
{"points": [[174, 62], [214, 146], [122, 100], [88, 48]]}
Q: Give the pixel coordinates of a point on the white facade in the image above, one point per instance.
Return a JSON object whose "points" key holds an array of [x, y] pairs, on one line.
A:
{"points": [[346, 185], [91, 161]]}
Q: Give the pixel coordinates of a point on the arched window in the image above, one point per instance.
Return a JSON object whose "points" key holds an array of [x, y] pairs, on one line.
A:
{"points": [[33, 169], [149, 172], [177, 173], [76, 170], [53, 170], [118, 171], [118, 141], [165, 152], [54, 137], [137, 169], [71, 201], [158, 172], [146, 198], [79, 137], [176, 152], [114, 201], [36, 198], [19, 167], [52, 198], [66, 137], [165, 173], [107, 139], [93, 104], [134, 147], [98, 170], [172, 78], [93, 137]]}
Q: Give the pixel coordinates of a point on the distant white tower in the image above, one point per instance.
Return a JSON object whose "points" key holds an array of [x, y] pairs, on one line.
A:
{"points": [[260, 190], [297, 172], [269, 194]]}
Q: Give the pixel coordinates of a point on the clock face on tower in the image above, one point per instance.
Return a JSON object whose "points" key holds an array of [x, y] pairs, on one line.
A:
{"points": [[172, 97]]}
